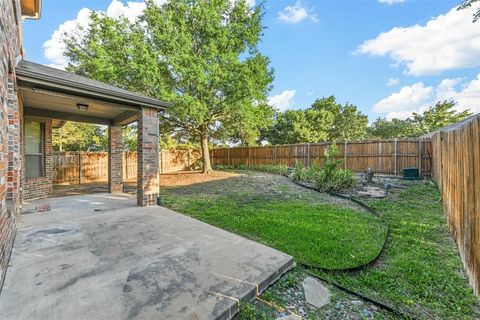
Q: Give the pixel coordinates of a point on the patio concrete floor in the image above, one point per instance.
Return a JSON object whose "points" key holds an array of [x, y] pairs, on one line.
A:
{"points": [[100, 256]]}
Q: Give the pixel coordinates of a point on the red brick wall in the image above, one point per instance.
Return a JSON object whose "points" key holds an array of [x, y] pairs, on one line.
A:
{"points": [[10, 49], [147, 157], [115, 157], [41, 187]]}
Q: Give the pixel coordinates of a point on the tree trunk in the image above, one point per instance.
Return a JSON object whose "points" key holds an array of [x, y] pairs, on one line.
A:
{"points": [[207, 166]]}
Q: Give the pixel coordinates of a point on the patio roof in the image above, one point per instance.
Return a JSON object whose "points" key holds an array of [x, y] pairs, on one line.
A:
{"points": [[52, 93]]}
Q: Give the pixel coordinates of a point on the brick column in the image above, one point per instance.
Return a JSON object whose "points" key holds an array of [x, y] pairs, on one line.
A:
{"points": [[115, 150], [147, 157]]}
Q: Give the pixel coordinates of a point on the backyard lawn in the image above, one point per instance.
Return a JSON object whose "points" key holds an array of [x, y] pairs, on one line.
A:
{"points": [[419, 272], [313, 228]]}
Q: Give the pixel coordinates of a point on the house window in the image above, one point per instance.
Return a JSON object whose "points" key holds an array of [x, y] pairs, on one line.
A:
{"points": [[33, 149]]}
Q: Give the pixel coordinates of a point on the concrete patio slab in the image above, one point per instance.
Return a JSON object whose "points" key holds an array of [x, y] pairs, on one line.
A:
{"points": [[101, 257]]}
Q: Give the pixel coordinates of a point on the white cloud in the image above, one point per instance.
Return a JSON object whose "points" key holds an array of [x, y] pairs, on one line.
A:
{"points": [[131, 11], [390, 2], [295, 14], [446, 42], [54, 48], [408, 97], [392, 82], [418, 97], [282, 101]]}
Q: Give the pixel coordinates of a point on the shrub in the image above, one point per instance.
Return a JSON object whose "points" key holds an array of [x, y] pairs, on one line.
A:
{"points": [[300, 173], [331, 178]]}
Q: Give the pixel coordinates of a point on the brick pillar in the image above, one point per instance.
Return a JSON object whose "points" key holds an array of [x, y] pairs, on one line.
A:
{"points": [[147, 161], [115, 150]]}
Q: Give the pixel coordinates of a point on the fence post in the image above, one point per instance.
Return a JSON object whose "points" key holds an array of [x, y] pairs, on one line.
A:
{"points": [[125, 163], [248, 163], [420, 157], [395, 156], [275, 153], [161, 160], [228, 156], [345, 155], [379, 157], [305, 154], [80, 167], [308, 154]]}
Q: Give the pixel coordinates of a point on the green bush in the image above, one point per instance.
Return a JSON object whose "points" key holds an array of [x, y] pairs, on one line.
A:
{"points": [[332, 178], [300, 173]]}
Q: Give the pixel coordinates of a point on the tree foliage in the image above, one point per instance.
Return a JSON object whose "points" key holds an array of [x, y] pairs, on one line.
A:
{"points": [[436, 117], [76, 136], [325, 120], [394, 128], [469, 3], [201, 55], [349, 123]]}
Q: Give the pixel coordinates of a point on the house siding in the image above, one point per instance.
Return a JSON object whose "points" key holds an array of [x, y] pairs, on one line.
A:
{"points": [[10, 117]]}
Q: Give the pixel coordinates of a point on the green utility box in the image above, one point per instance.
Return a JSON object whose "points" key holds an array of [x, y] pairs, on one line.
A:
{"points": [[411, 174]]}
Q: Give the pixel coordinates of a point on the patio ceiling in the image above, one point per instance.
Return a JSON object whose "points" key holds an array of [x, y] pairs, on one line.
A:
{"points": [[51, 93]]}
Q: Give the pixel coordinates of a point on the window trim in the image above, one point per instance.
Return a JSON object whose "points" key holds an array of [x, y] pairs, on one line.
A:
{"points": [[41, 154]]}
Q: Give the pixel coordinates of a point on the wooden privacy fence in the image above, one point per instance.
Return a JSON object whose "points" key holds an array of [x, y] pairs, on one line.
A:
{"points": [[85, 167], [386, 156], [456, 168]]}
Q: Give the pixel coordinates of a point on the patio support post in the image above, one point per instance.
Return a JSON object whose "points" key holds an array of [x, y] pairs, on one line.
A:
{"points": [[148, 157], [115, 168]]}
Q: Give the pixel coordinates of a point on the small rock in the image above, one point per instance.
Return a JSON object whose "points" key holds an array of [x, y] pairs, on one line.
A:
{"points": [[302, 312], [372, 192], [316, 294], [356, 302], [367, 313], [289, 317]]}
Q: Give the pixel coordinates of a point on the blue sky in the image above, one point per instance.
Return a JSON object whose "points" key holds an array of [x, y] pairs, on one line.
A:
{"points": [[388, 57]]}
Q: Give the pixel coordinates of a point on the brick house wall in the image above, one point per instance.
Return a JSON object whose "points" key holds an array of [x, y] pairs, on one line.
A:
{"points": [[10, 117], [40, 187]]}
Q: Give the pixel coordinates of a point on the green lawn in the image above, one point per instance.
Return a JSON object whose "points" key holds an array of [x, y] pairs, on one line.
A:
{"points": [[419, 272], [280, 215]]}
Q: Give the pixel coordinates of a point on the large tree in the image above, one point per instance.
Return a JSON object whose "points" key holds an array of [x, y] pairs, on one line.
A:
{"points": [[300, 126], [440, 115], [202, 55], [393, 128], [76, 136], [348, 122], [325, 120], [435, 117]]}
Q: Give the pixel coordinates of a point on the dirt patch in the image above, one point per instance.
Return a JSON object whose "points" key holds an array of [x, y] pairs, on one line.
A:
{"points": [[179, 179], [175, 179], [246, 187]]}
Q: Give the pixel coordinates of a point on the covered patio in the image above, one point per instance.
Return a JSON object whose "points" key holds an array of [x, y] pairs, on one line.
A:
{"points": [[99, 256], [50, 97]]}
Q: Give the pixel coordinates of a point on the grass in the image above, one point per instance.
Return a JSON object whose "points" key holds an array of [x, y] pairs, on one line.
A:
{"points": [[419, 272], [291, 220]]}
